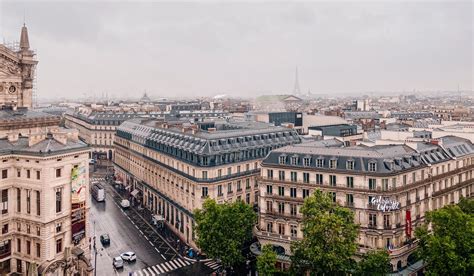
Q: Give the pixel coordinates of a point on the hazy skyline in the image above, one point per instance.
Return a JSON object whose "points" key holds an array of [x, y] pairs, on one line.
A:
{"points": [[244, 49]]}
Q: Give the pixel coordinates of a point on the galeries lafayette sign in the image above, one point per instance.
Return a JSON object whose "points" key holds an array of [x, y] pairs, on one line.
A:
{"points": [[385, 204]]}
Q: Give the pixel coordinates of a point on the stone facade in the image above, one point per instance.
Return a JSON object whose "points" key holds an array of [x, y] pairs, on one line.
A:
{"points": [[173, 168], [415, 181]]}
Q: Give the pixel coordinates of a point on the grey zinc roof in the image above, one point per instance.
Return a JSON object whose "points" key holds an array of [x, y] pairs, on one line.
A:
{"points": [[47, 146], [7, 114], [229, 136], [388, 158]]}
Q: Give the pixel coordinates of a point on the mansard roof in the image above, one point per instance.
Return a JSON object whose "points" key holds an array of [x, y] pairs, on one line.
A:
{"points": [[387, 158], [225, 136]]}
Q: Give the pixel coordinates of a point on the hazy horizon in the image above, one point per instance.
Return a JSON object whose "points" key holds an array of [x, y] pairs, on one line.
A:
{"points": [[244, 49]]}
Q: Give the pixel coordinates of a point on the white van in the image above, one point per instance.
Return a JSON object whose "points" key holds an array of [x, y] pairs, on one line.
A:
{"points": [[125, 203], [98, 192]]}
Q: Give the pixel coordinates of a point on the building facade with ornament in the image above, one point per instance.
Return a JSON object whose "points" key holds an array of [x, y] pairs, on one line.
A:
{"points": [[43, 179], [388, 187]]}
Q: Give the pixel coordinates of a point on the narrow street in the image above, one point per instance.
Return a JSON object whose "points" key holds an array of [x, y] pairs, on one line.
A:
{"points": [[129, 230]]}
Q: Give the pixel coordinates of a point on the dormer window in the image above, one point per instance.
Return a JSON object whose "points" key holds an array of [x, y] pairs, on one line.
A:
{"points": [[282, 160], [306, 161], [350, 164], [294, 160], [332, 163], [320, 163], [372, 166]]}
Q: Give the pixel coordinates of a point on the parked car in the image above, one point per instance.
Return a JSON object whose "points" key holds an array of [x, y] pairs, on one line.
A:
{"points": [[129, 256], [125, 203], [92, 161], [118, 262], [105, 239]]}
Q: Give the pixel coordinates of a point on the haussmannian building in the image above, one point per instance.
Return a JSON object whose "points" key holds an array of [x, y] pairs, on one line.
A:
{"points": [[172, 167], [389, 187]]}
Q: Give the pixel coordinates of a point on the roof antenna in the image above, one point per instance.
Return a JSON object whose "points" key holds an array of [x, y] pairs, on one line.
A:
{"points": [[24, 17]]}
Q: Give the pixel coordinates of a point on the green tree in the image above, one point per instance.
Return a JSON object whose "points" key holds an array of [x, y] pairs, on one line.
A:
{"points": [[329, 237], [222, 229], [266, 261], [449, 248], [467, 205], [375, 262]]}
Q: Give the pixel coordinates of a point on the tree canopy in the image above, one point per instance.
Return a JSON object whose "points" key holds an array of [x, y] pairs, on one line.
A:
{"points": [[329, 237], [375, 262], [266, 261], [222, 229], [449, 248]]}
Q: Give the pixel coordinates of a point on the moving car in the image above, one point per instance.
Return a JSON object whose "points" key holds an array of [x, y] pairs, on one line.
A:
{"points": [[105, 239], [117, 262], [128, 256], [125, 203]]}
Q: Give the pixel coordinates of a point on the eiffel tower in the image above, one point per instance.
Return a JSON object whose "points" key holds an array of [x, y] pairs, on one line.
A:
{"points": [[296, 89]]}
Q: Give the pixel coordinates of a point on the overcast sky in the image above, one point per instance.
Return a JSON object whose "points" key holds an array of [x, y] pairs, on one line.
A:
{"points": [[244, 49]]}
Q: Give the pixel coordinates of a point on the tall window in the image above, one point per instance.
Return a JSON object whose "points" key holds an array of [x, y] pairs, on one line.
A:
{"points": [[350, 165], [269, 207], [4, 201], [350, 181], [219, 190], [28, 201], [293, 230], [269, 189], [59, 246], [306, 177], [28, 247], [386, 222], [204, 192], [38, 250], [372, 183], [385, 184], [292, 192], [293, 209], [229, 187], [38, 203], [38, 175], [294, 177], [270, 227], [281, 229], [281, 175], [270, 174], [18, 200], [350, 199], [319, 178], [372, 167], [281, 191], [332, 180], [4, 174], [305, 193], [373, 220], [281, 207], [59, 200], [204, 174]]}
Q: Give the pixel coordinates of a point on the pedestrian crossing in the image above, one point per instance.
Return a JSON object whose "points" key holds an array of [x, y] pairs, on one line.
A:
{"points": [[162, 268], [212, 264], [96, 179]]}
